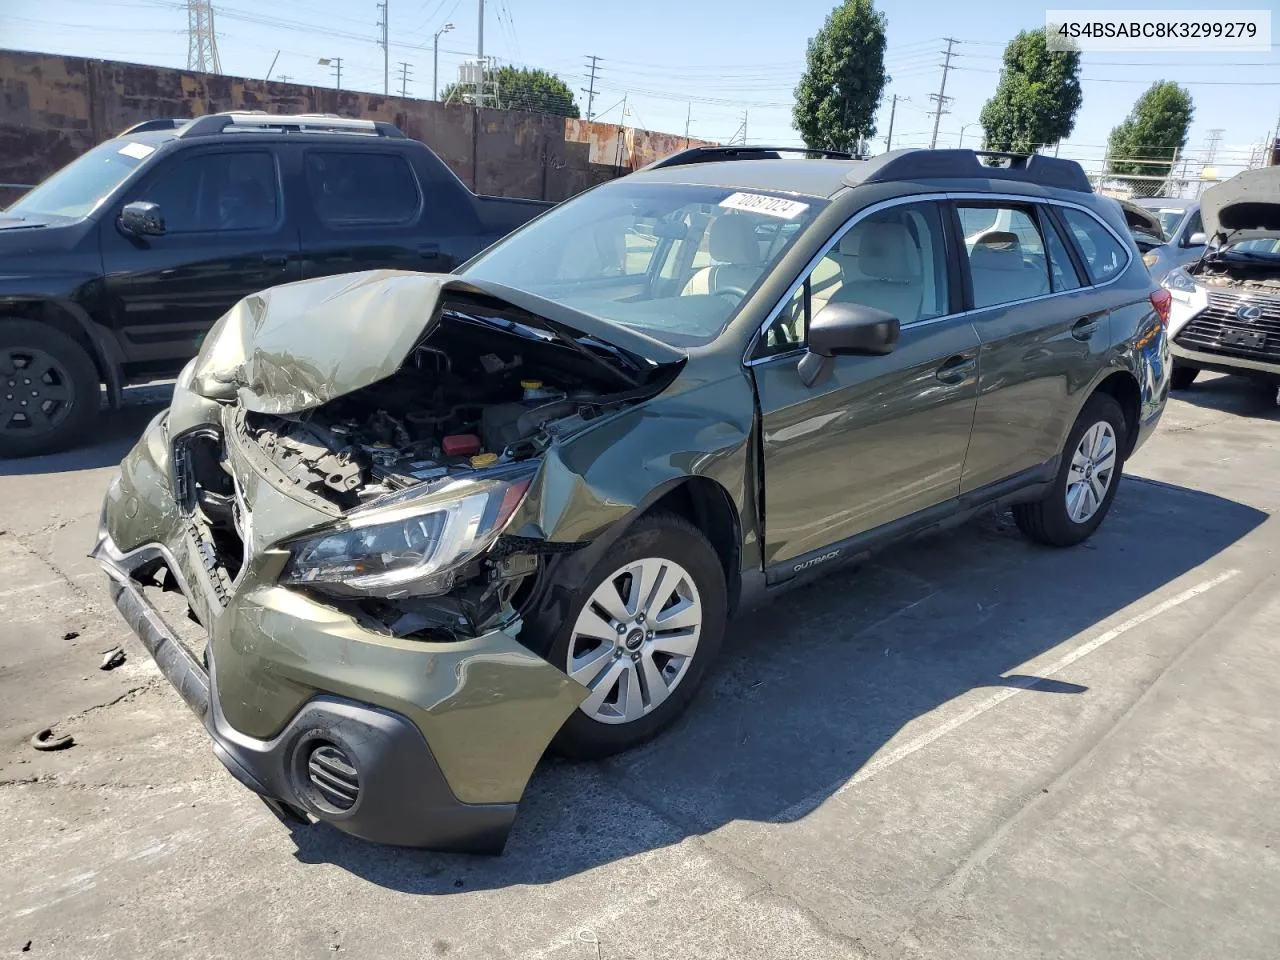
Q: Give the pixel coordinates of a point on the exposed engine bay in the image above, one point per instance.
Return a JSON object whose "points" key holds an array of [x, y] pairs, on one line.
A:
{"points": [[1238, 272], [471, 396]]}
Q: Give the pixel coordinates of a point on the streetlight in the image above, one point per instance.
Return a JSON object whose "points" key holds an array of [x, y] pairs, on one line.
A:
{"points": [[435, 59], [963, 129]]}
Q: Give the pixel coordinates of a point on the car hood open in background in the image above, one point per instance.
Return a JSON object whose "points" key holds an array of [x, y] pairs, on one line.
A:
{"points": [[298, 346], [1245, 207]]}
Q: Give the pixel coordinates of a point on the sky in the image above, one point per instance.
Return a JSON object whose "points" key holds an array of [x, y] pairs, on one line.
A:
{"points": [[710, 62]]}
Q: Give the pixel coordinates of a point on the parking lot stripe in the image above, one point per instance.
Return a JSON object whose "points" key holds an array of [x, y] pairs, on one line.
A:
{"points": [[1018, 683]]}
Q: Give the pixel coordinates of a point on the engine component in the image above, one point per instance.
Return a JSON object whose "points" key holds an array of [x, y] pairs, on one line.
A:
{"points": [[461, 445]]}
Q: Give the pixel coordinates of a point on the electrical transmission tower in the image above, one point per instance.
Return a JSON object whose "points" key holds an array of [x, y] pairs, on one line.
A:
{"points": [[202, 43]]}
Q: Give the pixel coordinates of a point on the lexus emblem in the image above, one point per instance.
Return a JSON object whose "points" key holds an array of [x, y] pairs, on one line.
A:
{"points": [[1249, 312]]}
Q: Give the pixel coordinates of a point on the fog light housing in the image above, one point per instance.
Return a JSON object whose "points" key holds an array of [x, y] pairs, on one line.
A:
{"points": [[327, 777]]}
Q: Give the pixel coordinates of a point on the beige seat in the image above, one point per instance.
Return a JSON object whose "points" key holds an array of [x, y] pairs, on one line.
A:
{"points": [[889, 277], [999, 272], [731, 242]]}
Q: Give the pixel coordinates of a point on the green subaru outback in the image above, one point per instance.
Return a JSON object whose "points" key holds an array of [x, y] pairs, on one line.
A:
{"points": [[434, 525]]}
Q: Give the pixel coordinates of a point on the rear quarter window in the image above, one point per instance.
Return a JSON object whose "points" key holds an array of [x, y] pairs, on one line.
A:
{"points": [[350, 188], [1105, 258]]}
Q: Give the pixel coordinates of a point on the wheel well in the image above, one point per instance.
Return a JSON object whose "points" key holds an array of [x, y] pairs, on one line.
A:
{"points": [[1124, 388], [47, 312], [707, 505]]}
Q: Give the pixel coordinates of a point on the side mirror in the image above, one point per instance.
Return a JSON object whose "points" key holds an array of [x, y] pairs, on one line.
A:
{"points": [[1197, 239], [846, 329], [142, 219]]}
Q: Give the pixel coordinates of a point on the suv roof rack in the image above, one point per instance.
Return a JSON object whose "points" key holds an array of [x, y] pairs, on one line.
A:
{"points": [[159, 123], [258, 121], [715, 154], [965, 164]]}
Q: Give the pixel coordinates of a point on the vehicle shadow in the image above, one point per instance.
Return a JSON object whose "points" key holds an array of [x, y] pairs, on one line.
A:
{"points": [[1242, 396], [116, 431], [809, 688]]}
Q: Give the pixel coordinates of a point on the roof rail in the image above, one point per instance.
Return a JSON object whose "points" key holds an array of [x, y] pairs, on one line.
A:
{"points": [[160, 123], [714, 154], [241, 121], [965, 164]]}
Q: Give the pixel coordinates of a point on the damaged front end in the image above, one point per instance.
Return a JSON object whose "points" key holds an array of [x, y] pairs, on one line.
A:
{"points": [[331, 491]]}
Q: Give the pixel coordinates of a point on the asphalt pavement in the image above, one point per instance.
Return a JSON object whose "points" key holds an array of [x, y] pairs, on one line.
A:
{"points": [[971, 748]]}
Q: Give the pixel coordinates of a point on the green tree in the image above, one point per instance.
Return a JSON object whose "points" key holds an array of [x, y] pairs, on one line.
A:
{"points": [[520, 88], [1036, 101], [1148, 140], [837, 97]]}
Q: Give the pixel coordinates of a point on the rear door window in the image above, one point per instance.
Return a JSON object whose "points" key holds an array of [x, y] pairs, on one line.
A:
{"points": [[1007, 259], [1103, 254], [358, 188]]}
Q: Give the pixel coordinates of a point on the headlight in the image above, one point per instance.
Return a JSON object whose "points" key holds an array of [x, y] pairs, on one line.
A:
{"points": [[415, 554], [1179, 281]]}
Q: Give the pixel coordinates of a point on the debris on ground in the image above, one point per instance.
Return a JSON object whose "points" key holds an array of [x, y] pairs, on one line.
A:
{"points": [[113, 659], [45, 740], [71, 635]]}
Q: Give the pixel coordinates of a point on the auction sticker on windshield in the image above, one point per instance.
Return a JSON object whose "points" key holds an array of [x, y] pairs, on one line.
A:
{"points": [[769, 206], [139, 151]]}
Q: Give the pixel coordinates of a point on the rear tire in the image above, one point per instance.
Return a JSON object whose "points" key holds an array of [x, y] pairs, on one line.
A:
{"points": [[614, 642], [49, 390], [1088, 475], [1183, 377]]}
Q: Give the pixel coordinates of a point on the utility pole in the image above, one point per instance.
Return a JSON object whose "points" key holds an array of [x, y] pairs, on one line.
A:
{"points": [[688, 115], [590, 89], [435, 60], [336, 63], [404, 79], [386, 48], [941, 96], [480, 56], [893, 109]]}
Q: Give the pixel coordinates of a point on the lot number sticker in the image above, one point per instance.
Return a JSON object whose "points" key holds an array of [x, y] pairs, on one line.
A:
{"points": [[769, 206], [139, 151]]}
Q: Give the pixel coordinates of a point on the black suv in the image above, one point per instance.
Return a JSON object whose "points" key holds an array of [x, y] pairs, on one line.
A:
{"points": [[117, 265]]}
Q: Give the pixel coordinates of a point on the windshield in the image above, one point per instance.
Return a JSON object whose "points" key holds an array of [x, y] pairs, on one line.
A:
{"points": [[1258, 247], [671, 260], [1169, 219], [76, 190]]}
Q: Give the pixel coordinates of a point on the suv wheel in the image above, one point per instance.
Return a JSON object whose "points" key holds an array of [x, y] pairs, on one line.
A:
{"points": [[1183, 377], [1081, 494], [640, 635], [49, 389]]}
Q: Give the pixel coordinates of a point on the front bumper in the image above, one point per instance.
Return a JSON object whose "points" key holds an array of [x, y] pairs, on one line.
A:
{"points": [[442, 736]]}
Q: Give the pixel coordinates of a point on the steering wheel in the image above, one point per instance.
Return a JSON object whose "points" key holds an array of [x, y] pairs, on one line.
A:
{"points": [[732, 292]]}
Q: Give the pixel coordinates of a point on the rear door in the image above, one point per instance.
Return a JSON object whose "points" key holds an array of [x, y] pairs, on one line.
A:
{"points": [[881, 437], [1043, 323], [227, 235], [367, 208]]}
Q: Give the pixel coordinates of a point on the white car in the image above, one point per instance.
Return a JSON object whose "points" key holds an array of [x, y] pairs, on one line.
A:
{"points": [[1225, 314]]}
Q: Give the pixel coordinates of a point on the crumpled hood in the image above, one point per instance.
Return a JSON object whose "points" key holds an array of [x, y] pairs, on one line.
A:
{"points": [[1245, 207], [297, 346]]}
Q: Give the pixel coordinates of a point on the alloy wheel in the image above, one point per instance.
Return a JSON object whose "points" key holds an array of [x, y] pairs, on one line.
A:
{"points": [[36, 392], [1092, 467], [635, 639]]}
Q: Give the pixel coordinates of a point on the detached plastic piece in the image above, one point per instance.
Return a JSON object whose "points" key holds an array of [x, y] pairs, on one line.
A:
{"points": [[461, 445]]}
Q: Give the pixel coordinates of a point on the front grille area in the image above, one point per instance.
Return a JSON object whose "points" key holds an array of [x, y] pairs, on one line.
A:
{"points": [[1219, 322], [333, 776]]}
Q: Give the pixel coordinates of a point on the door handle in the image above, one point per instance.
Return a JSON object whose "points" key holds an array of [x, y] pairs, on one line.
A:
{"points": [[429, 251], [1084, 328], [956, 369], [275, 259]]}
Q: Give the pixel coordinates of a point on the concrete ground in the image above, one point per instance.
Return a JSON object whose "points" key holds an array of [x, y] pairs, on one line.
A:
{"points": [[974, 748]]}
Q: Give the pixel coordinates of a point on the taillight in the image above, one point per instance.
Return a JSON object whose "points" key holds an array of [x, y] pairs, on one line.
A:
{"points": [[1162, 299]]}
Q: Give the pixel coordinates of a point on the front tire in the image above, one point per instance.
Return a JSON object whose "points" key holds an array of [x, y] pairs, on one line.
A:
{"points": [[1088, 475], [641, 633], [1183, 377], [49, 390]]}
